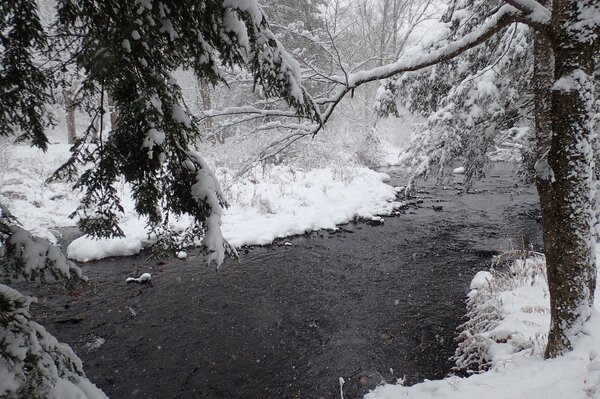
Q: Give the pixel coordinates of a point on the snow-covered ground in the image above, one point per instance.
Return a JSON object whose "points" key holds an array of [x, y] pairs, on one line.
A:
{"points": [[272, 201], [515, 310], [285, 202]]}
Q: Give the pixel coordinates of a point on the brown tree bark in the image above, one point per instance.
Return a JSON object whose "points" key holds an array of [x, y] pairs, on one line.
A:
{"points": [[567, 205]]}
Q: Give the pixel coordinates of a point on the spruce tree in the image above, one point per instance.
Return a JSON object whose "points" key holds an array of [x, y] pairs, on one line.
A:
{"points": [[25, 85]]}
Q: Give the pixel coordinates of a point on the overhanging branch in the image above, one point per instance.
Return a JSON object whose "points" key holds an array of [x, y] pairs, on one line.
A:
{"points": [[504, 16], [535, 14]]}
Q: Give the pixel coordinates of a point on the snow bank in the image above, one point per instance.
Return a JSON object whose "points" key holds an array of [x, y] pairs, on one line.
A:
{"points": [[271, 202], [514, 343], [285, 202], [574, 376], [276, 203], [86, 248]]}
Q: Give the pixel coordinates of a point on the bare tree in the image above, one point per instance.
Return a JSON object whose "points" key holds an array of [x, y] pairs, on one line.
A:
{"points": [[352, 36]]}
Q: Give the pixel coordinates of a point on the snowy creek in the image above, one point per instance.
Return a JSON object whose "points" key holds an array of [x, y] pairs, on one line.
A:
{"points": [[365, 303]]}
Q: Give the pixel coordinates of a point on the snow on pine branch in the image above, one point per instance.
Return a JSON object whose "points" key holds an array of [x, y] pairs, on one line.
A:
{"points": [[505, 16], [23, 256], [277, 71], [207, 190], [155, 130], [33, 364]]}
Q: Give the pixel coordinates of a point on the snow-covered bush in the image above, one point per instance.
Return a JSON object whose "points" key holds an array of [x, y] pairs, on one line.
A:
{"points": [[368, 150], [385, 100], [340, 143], [39, 206], [507, 312]]}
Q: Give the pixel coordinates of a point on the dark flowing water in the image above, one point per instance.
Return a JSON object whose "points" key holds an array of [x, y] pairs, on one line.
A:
{"points": [[366, 303]]}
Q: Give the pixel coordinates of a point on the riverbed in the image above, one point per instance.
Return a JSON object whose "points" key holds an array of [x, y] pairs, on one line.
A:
{"points": [[368, 303]]}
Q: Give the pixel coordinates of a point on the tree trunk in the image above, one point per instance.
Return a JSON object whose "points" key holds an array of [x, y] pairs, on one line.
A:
{"points": [[205, 104], [567, 202], [395, 20], [70, 116], [112, 112], [383, 31], [205, 94]]}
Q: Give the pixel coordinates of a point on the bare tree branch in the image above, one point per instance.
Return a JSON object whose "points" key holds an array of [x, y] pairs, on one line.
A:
{"points": [[505, 16]]}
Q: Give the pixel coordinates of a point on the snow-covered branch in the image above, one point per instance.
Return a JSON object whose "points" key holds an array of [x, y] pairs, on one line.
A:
{"points": [[441, 52], [277, 147], [534, 10], [505, 16], [25, 257], [247, 110], [33, 363]]}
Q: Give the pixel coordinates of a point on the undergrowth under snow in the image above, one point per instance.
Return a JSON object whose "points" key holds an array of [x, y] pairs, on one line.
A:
{"points": [[39, 207]]}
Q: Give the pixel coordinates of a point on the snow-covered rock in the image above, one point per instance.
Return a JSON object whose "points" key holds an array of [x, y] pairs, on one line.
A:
{"points": [[144, 278], [480, 279]]}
